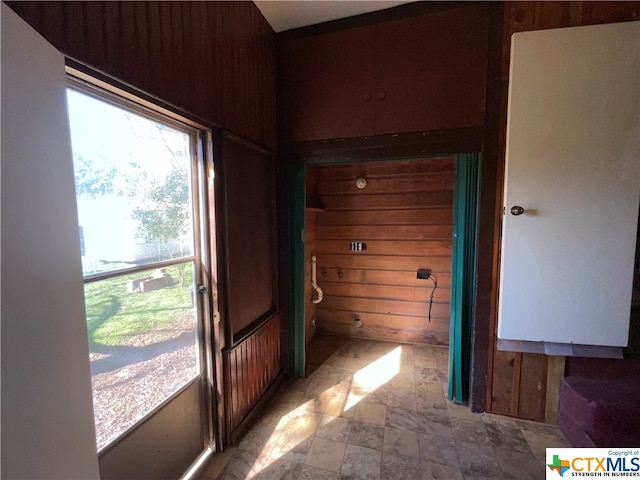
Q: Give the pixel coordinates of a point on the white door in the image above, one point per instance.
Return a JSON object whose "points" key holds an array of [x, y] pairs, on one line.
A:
{"points": [[47, 421], [573, 165]]}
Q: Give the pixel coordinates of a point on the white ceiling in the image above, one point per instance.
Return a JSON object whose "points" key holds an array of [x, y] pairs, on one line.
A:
{"points": [[285, 15]]}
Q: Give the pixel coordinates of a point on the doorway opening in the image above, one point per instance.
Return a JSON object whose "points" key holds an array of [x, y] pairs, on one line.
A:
{"points": [[373, 227]]}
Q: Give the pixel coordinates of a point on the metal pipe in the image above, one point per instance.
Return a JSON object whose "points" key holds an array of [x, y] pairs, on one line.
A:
{"points": [[317, 297]]}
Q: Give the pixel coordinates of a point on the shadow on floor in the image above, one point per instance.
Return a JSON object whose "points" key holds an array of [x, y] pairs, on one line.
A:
{"points": [[319, 349]]}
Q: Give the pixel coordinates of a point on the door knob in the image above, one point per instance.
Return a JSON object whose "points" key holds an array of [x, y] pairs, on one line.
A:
{"points": [[516, 210]]}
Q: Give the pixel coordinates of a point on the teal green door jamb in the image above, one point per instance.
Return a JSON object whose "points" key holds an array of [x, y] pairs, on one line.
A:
{"points": [[463, 273], [296, 211]]}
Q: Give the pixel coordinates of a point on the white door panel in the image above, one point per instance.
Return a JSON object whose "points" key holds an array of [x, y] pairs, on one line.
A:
{"points": [[573, 164], [47, 416]]}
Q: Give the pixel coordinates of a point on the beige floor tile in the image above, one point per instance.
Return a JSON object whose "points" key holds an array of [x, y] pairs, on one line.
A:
{"points": [[356, 363], [402, 381], [402, 397], [401, 442], [326, 454], [438, 449], [377, 395], [462, 411], [402, 418], [504, 433], [438, 471], [280, 470], [539, 442], [305, 423], [425, 361], [427, 388], [469, 431], [519, 465], [430, 400], [366, 435], [426, 374], [435, 422], [330, 402], [334, 428], [399, 467], [291, 446], [379, 410], [260, 440], [312, 473], [360, 463], [370, 413], [240, 466], [478, 458]]}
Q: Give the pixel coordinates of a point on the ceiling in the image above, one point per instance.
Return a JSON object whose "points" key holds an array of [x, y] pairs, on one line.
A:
{"points": [[285, 15]]}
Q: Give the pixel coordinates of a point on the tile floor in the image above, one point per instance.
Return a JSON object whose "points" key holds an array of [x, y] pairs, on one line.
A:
{"points": [[377, 410]]}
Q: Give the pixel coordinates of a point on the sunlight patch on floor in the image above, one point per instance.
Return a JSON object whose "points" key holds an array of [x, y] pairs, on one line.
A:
{"points": [[299, 424]]}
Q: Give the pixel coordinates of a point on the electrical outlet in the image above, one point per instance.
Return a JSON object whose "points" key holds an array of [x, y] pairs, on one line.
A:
{"points": [[423, 273]]}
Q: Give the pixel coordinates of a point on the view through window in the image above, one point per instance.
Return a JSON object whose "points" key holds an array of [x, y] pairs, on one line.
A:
{"points": [[135, 195]]}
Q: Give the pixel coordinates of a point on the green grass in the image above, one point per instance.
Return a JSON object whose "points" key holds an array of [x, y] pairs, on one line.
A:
{"points": [[114, 316]]}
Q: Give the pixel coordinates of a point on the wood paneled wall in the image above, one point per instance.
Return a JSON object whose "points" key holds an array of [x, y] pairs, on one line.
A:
{"points": [[251, 274], [215, 60], [517, 381], [413, 71], [252, 366], [404, 215]]}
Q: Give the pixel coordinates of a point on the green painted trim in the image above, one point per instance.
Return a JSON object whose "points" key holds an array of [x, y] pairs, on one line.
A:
{"points": [[296, 212], [463, 273]]}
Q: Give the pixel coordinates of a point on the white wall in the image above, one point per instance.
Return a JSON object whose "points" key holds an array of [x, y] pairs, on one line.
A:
{"points": [[47, 417]]}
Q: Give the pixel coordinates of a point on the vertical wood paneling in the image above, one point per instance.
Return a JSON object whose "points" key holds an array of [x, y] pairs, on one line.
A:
{"points": [[252, 366], [77, 24], [215, 60], [113, 38], [94, 50], [517, 382], [129, 38], [404, 215]]}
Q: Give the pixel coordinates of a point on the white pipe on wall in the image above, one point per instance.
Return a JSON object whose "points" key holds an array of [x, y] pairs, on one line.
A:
{"points": [[317, 298]]}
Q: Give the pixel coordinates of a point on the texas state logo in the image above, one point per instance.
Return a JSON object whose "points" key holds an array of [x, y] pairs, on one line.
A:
{"points": [[592, 462], [560, 466]]}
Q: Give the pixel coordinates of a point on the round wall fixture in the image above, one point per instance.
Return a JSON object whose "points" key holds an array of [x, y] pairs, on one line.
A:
{"points": [[361, 183]]}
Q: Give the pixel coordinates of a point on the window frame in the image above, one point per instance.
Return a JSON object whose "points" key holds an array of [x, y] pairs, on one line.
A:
{"points": [[89, 82]]}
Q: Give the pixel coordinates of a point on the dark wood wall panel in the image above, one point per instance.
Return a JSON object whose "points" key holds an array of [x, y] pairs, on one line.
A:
{"points": [[214, 60], [424, 71], [252, 366], [250, 231], [404, 215], [517, 381]]}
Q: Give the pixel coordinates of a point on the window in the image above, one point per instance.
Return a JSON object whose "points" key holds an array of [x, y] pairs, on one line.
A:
{"points": [[137, 190]]}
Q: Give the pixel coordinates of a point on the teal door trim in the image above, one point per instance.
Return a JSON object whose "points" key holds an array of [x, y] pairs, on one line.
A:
{"points": [[296, 217], [463, 273]]}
